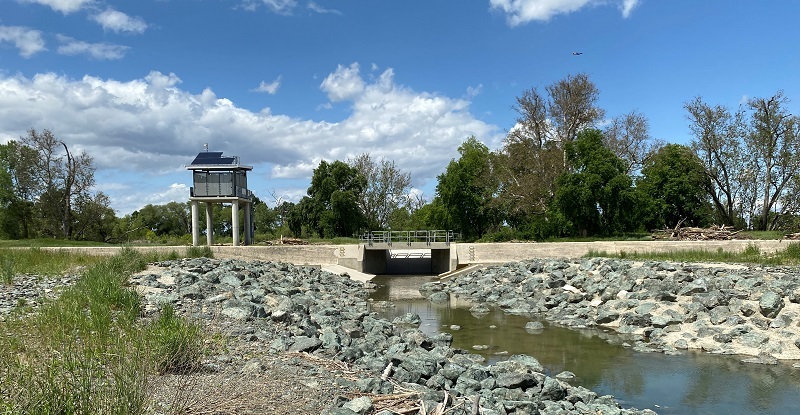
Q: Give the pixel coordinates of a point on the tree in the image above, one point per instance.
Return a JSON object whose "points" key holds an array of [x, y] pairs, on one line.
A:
{"points": [[60, 178], [533, 154], [171, 219], [19, 189], [598, 197], [466, 190], [331, 207], [387, 189], [716, 142], [674, 182], [773, 144], [94, 218], [628, 137], [572, 106]]}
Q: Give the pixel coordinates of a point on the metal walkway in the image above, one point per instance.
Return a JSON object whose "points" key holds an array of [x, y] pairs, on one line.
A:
{"points": [[407, 238]]}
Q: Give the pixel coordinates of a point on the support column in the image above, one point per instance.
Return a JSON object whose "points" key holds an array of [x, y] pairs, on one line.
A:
{"points": [[235, 221], [210, 223], [248, 225], [195, 223]]}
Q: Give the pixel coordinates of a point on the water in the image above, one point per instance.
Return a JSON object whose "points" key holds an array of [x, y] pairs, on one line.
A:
{"points": [[693, 383]]}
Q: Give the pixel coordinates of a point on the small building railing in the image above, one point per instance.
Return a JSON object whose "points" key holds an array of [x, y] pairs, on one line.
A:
{"points": [[408, 237]]}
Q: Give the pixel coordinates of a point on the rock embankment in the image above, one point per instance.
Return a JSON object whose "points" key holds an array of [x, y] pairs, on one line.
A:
{"points": [[289, 309], [25, 292], [673, 307]]}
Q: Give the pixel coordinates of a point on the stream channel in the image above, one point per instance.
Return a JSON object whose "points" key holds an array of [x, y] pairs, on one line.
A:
{"points": [[692, 383]]}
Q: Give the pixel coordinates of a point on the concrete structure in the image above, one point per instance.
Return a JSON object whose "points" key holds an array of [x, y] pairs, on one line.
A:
{"points": [[346, 258], [218, 179]]}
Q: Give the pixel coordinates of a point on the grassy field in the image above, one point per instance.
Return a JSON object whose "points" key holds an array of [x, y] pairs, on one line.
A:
{"points": [[751, 255], [88, 351]]}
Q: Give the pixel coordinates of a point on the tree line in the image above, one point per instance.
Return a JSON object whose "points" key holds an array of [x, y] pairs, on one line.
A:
{"points": [[564, 169]]}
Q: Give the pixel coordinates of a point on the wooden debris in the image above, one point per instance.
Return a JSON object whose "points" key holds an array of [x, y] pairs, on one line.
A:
{"points": [[792, 236], [714, 233]]}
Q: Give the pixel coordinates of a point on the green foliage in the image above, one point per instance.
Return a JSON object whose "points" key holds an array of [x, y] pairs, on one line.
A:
{"points": [[331, 207], [7, 268], [597, 197], [204, 251], [466, 190], [177, 344], [676, 187]]}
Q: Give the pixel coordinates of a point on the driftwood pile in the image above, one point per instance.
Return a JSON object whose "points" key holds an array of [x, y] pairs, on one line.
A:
{"points": [[792, 236], [714, 233]]}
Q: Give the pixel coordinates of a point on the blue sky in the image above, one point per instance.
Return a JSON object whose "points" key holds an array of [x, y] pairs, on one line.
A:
{"points": [[142, 85]]}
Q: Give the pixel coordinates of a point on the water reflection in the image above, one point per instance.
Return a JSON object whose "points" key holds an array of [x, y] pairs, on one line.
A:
{"points": [[689, 384]]}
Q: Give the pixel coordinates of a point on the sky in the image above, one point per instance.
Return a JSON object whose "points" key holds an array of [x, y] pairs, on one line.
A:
{"points": [[142, 85]]}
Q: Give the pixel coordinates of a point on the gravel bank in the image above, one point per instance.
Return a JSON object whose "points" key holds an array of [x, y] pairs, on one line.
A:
{"points": [[673, 307], [285, 325]]}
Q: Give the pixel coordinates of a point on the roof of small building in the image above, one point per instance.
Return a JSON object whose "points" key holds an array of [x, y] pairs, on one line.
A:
{"points": [[214, 160]]}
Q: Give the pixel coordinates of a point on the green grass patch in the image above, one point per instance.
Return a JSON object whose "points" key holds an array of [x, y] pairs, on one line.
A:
{"points": [[88, 351], [750, 255]]}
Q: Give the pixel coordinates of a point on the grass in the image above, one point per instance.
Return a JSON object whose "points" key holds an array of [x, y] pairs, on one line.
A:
{"points": [[88, 351], [750, 255]]}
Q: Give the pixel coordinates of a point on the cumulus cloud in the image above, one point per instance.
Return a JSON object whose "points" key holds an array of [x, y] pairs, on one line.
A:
{"points": [[118, 21], [63, 6], [523, 11], [28, 41], [344, 83], [269, 88], [99, 51], [152, 125]]}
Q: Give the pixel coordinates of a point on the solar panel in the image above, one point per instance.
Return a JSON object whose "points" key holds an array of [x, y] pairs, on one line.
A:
{"points": [[212, 157]]}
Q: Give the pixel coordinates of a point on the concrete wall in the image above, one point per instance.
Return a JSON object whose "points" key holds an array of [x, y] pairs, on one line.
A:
{"points": [[459, 254]]}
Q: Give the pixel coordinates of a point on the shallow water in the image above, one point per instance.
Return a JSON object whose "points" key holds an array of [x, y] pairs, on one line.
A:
{"points": [[693, 383]]}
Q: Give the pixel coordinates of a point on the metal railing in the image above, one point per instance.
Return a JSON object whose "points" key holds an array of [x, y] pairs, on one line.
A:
{"points": [[408, 237]]}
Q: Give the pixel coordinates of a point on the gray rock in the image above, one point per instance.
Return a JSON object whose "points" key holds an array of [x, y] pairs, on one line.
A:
{"points": [[304, 344], [360, 405], [770, 304]]}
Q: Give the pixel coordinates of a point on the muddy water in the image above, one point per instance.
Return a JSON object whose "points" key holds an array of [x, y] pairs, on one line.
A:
{"points": [[687, 384]]}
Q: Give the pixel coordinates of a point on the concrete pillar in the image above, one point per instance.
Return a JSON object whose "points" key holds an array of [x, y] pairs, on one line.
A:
{"points": [[210, 223], [235, 221], [195, 223], [248, 225]]}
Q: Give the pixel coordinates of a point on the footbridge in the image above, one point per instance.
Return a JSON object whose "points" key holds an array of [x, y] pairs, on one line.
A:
{"points": [[402, 252]]}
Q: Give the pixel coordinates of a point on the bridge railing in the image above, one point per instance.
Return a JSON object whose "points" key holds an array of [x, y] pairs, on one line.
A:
{"points": [[407, 237]]}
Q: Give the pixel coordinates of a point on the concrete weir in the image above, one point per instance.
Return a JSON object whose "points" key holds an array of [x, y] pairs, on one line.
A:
{"points": [[401, 258]]}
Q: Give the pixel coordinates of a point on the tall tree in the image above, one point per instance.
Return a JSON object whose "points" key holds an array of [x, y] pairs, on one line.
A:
{"points": [[533, 154], [597, 197], [331, 207], [387, 189], [674, 182], [61, 177], [572, 106], [466, 190], [628, 137], [773, 143], [717, 143]]}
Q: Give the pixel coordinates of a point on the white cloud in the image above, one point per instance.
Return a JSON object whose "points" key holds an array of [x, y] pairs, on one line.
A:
{"points": [[523, 11], [28, 41], [270, 88], [152, 127], [345, 83], [319, 9], [100, 51], [118, 21], [628, 6], [276, 6], [63, 6]]}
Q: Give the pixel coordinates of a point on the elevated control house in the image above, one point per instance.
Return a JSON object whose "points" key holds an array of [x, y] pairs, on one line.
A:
{"points": [[218, 179]]}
